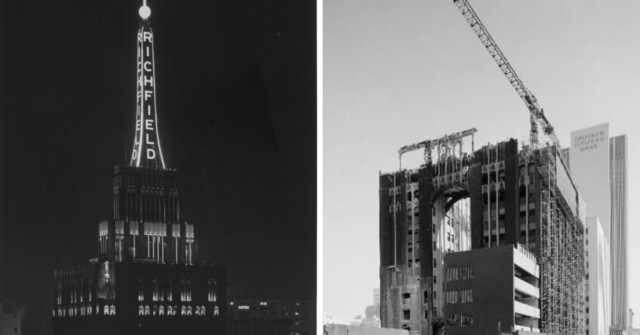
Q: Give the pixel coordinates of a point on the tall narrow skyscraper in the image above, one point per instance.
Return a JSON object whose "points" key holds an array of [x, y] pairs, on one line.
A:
{"points": [[619, 261], [598, 165], [146, 278]]}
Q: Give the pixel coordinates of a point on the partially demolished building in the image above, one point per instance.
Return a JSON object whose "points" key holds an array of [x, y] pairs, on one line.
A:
{"points": [[497, 195]]}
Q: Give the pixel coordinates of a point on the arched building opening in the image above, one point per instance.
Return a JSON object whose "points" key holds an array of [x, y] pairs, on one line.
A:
{"points": [[451, 232]]}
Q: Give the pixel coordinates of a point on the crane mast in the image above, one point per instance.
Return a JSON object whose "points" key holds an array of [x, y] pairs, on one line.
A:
{"points": [[536, 113], [561, 250]]}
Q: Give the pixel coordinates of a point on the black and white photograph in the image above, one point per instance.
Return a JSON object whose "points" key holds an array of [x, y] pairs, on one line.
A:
{"points": [[158, 167], [478, 167], [334, 167]]}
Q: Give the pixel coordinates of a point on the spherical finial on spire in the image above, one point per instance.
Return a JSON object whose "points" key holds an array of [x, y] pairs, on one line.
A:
{"points": [[144, 11]]}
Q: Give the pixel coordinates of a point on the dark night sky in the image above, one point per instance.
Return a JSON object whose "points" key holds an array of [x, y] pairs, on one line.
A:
{"points": [[236, 94]]}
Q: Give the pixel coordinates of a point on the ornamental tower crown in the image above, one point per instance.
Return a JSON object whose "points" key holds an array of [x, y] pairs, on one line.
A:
{"points": [[147, 151], [147, 267], [148, 214]]}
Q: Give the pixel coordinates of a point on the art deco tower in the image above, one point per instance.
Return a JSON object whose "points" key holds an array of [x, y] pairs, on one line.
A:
{"points": [[147, 196], [146, 278]]}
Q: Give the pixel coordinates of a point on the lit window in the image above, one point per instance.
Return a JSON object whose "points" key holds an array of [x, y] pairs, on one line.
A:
{"points": [[202, 311], [216, 311], [184, 310], [197, 310], [106, 310], [189, 310], [169, 310], [161, 310], [146, 310], [113, 310], [141, 310]]}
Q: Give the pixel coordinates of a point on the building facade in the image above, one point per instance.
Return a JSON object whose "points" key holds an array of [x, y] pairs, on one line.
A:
{"points": [[11, 318], [492, 288], [287, 317], [619, 231], [589, 166], [259, 327], [597, 292], [337, 329], [372, 312], [146, 278], [599, 162], [495, 196]]}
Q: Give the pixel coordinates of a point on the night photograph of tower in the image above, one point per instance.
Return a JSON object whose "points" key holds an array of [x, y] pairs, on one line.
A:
{"points": [[159, 170]]}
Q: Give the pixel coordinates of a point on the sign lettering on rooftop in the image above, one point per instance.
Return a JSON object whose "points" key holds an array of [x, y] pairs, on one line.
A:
{"points": [[146, 149]]}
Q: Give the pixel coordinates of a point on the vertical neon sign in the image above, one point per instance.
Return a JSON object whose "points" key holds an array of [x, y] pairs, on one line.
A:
{"points": [[146, 148]]}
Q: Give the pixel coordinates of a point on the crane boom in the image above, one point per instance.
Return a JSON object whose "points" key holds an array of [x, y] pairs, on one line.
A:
{"points": [[536, 113]]}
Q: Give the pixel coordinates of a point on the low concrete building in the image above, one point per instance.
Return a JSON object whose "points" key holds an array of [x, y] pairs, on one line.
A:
{"points": [[269, 316], [491, 290], [260, 327], [36, 321], [10, 320], [333, 329]]}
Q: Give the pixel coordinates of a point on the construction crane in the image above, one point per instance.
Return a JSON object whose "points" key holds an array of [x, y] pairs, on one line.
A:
{"points": [[561, 249], [536, 113]]}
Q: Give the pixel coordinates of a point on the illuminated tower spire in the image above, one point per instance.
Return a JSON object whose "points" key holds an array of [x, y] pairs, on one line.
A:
{"points": [[146, 148]]}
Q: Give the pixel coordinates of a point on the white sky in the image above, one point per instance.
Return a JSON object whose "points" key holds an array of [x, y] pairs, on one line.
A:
{"points": [[401, 71]]}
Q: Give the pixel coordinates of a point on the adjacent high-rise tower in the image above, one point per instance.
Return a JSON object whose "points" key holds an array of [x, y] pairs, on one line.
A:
{"points": [[146, 278], [598, 164], [619, 231]]}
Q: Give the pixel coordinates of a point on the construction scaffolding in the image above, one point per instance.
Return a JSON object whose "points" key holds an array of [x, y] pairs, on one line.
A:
{"points": [[561, 236], [561, 252]]}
